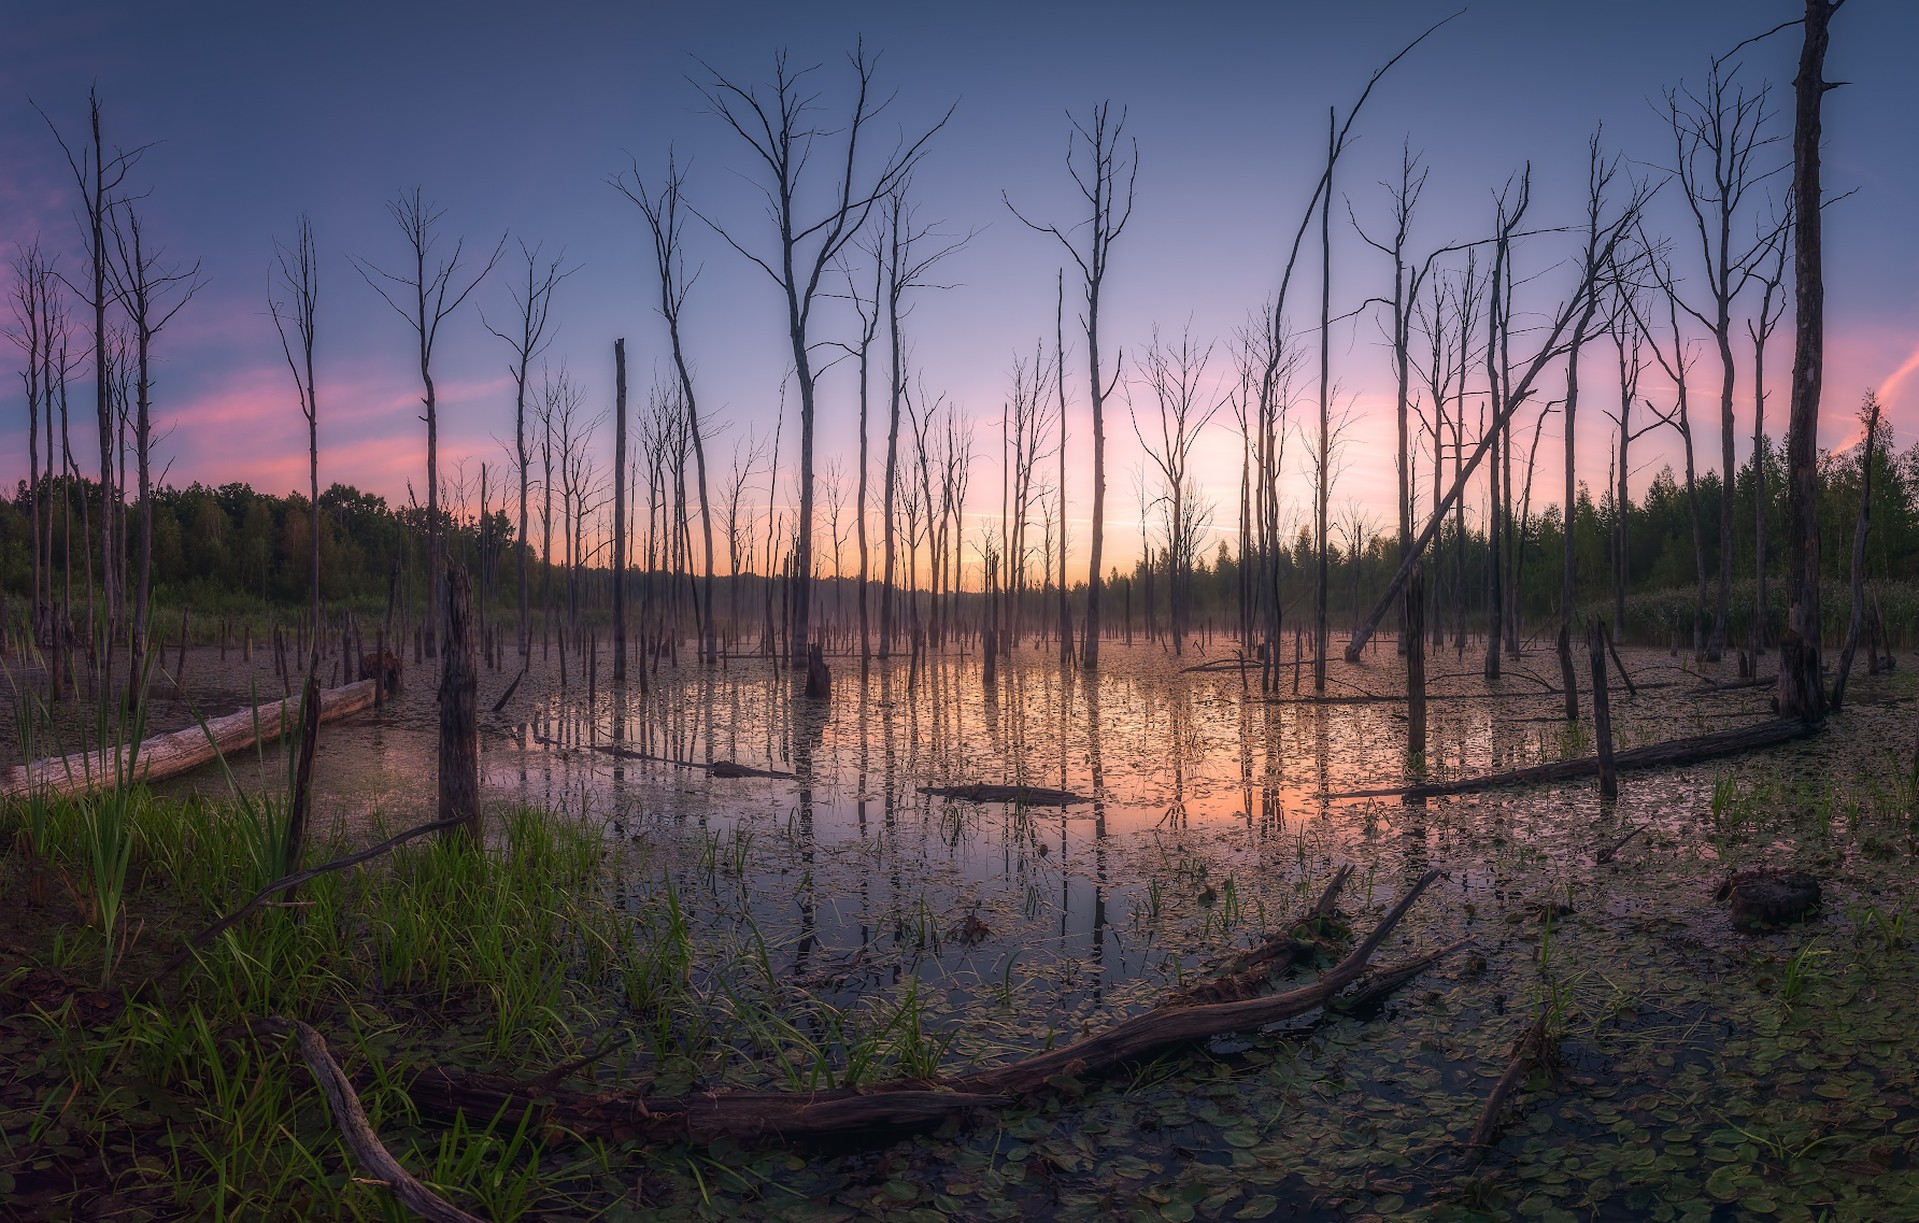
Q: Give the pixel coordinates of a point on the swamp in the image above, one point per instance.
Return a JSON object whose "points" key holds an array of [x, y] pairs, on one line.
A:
{"points": [[640, 924], [1152, 612]]}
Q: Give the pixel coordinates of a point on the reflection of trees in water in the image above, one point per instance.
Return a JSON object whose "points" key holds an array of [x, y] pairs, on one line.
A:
{"points": [[806, 723]]}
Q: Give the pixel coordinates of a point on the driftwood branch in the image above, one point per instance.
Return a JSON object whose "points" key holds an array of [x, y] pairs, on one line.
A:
{"points": [[355, 1130], [889, 1107]]}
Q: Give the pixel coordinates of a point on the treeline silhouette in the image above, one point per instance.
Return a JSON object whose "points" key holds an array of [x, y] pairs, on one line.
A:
{"points": [[234, 551]]}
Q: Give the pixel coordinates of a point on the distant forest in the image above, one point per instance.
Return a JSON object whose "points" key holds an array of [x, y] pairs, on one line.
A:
{"points": [[233, 551]]}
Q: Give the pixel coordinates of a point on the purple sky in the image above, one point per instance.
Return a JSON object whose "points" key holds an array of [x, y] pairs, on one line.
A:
{"points": [[512, 121]]}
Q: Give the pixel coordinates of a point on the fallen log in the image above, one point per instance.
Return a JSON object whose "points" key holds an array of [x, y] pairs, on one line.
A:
{"points": [[1025, 796], [1436, 698], [1732, 685], [1675, 752], [355, 1130], [179, 751], [888, 1108]]}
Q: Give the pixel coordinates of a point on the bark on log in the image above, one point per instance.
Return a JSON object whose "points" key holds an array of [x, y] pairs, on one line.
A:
{"points": [[355, 1130], [1770, 733], [178, 751]]}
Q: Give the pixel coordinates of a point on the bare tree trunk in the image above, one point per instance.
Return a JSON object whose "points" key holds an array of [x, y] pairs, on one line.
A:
{"points": [[1602, 710], [424, 308], [1801, 687], [619, 511], [1760, 328], [1099, 183], [1416, 662], [459, 710], [1322, 491], [1858, 621]]}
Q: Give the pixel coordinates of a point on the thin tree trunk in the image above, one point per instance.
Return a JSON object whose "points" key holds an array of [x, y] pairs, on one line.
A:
{"points": [[619, 511], [459, 710]]}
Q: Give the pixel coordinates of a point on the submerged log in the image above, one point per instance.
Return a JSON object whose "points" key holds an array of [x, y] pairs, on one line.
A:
{"points": [[718, 768], [179, 751], [1025, 796], [1675, 752], [888, 1108], [1529, 1049]]}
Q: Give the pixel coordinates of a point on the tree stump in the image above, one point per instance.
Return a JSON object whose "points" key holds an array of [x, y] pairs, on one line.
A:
{"points": [[382, 665], [1766, 898], [819, 680]]}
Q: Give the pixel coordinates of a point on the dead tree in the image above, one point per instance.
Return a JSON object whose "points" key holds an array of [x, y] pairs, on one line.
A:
{"points": [[910, 252], [868, 310], [1869, 411], [1503, 403], [662, 212], [1030, 412], [151, 295], [1097, 173], [739, 544], [1177, 379], [955, 465], [559, 398], [100, 177], [1760, 328], [1628, 343], [781, 133], [1801, 687], [1599, 174], [1276, 350], [1552, 345], [1676, 366], [39, 314], [1059, 381], [533, 303], [459, 772], [1717, 135], [425, 297], [1405, 198], [299, 270], [619, 511]]}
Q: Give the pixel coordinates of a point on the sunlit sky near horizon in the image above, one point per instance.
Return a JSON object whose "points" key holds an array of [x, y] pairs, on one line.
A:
{"points": [[513, 117]]}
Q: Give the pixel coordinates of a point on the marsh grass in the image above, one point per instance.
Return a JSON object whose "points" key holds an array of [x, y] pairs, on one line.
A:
{"points": [[513, 957]]}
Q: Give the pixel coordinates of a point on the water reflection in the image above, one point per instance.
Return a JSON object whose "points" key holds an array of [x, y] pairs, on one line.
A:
{"points": [[1208, 809]]}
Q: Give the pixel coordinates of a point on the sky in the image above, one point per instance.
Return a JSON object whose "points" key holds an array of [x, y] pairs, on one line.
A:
{"points": [[513, 117]]}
